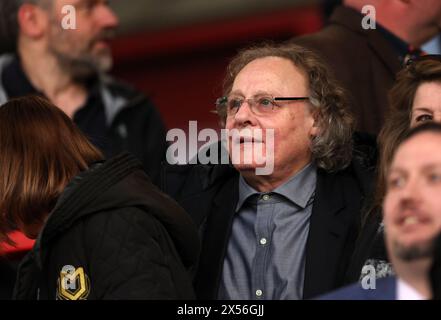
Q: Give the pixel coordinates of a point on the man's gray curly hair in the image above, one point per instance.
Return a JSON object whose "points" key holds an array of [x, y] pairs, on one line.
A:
{"points": [[332, 148]]}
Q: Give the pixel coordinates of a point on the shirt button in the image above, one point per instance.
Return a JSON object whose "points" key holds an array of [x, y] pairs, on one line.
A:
{"points": [[259, 293], [265, 197], [263, 241]]}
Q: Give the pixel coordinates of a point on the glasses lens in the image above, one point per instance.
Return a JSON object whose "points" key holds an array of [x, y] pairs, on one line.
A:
{"points": [[233, 105], [263, 104], [221, 104]]}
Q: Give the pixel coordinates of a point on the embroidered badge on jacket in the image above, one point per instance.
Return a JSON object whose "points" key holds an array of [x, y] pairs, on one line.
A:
{"points": [[73, 284]]}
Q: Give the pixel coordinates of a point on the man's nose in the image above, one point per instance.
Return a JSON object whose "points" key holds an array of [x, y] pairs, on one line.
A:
{"points": [[411, 191], [107, 17], [244, 114]]}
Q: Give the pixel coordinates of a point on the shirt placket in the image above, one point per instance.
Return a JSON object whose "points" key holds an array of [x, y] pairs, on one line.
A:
{"points": [[265, 208]]}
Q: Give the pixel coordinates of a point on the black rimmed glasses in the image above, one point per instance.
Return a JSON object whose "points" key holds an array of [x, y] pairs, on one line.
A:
{"points": [[260, 105]]}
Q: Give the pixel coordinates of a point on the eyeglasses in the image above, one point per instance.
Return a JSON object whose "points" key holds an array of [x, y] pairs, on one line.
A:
{"points": [[261, 105]]}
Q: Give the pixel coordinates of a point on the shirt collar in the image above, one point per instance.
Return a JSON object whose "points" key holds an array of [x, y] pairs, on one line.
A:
{"points": [[406, 292], [298, 189]]}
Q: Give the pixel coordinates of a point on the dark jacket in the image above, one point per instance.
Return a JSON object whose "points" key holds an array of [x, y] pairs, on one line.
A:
{"points": [[7, 277], [124, 239], [385, 289], [370, 250], [435, 270], [362, 60], [132, 122], [209, 193]]}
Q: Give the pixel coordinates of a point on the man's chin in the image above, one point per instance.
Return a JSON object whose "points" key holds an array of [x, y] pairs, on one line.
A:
{"points": [[103, 59], [413, 251], [86, 66], [84, 69], [252, 168], [104, 64], [244, 166]]}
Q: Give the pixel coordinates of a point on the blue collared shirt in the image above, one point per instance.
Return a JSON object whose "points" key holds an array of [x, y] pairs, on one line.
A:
{"points": [[265, 258]]}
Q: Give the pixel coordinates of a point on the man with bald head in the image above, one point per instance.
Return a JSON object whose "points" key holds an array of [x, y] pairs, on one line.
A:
{"points": [[366, 60]]}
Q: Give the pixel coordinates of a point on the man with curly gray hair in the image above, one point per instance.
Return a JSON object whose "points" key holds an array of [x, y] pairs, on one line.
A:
{"points": [[331, 142], [288, 234]]}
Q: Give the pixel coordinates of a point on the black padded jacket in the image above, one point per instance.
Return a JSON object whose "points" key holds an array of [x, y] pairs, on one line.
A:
{"points": [[111, 235]]}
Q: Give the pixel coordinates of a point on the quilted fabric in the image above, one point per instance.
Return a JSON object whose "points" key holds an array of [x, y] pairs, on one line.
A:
{"points": [[129, 240]]}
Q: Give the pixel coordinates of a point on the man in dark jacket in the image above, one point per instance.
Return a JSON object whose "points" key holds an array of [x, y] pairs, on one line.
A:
{"points": [[68, 64], [366, 60], [286, 233]]}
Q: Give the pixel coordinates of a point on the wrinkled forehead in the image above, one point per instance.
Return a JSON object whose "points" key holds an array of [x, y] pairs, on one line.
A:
{"points": [[276, 64], [269, 74]]}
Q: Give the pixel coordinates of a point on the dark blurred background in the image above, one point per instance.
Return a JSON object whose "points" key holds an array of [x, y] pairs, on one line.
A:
{"points": [[176, 51]]}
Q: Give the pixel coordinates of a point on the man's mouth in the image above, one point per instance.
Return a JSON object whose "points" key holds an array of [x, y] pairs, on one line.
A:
{"points": [[102, 43], [246, 139], [411, 219]]}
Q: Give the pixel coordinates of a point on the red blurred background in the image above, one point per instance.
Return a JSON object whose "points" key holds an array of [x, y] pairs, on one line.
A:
{"points": [[182, 69]]}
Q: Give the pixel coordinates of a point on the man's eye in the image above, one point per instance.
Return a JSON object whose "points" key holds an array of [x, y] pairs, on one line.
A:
{"points": [[424, 118], [266, 102], [434, 177], [235, 103], [395, 182]]}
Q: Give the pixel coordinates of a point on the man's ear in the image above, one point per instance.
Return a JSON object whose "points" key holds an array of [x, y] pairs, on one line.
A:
{"points": [[32, 20], [315, 130]]}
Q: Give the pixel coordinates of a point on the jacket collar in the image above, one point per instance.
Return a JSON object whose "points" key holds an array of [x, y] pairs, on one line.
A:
{"points": [[81, 191], [326, 233], [215, 242], [351, 19]]}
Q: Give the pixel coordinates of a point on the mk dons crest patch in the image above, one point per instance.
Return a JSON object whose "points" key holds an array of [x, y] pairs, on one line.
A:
{"points": [[73, 284]]}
